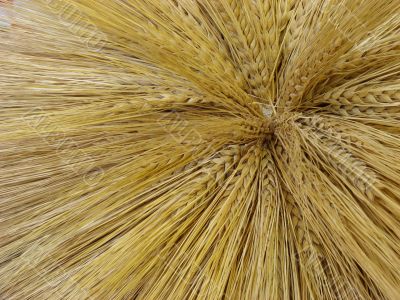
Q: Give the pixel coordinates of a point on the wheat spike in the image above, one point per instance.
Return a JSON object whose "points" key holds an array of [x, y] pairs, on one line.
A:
{"points": [[232, 149]]}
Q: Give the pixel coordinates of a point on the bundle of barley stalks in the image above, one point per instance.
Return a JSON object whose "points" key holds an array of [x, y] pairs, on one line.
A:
{"points": [[200, 149]]}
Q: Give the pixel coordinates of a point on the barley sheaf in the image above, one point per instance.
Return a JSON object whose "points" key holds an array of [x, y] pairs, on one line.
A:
{"points": [[198, 149]]}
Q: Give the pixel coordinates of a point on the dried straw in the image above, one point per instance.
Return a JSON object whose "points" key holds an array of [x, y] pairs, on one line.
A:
{"points": [[192, 149]]}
